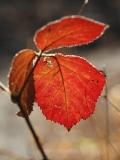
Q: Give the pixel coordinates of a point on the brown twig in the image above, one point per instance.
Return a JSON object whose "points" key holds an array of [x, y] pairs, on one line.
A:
{"points": [[16, 98]]}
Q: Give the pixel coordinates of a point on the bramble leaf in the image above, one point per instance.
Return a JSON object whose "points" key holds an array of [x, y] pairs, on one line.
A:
{"points": [[67, 88], [68, 31], [21, 67]]}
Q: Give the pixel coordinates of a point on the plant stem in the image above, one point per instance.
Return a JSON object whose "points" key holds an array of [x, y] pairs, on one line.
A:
{"points": [[26, 80], [17, 100], [105, 136], [113, 105], [81, 9], [107, 116], [4, 88]]}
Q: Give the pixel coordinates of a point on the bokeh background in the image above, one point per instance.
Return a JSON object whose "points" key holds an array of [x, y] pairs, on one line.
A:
{"points": [[19, 19]]}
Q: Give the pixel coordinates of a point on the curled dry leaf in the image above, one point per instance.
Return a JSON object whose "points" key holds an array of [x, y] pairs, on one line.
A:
{"points": [[21, 68], [68, 31], [67, 88]]}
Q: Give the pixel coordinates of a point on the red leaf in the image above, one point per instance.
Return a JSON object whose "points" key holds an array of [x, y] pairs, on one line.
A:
{"points": [[67, 88], [68, 31], [21, 67]]}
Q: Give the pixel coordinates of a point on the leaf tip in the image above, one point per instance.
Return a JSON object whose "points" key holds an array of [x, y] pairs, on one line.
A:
{"points": [[68, 130]]}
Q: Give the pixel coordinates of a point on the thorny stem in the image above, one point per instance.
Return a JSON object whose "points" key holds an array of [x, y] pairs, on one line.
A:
{"points": [[17, 97]]}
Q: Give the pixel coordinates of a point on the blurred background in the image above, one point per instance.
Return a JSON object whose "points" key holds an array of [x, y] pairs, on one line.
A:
{"points": [[19, 20]]}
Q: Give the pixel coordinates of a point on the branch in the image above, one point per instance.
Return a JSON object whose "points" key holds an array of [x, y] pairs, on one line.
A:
{"points": [[17, 100]]}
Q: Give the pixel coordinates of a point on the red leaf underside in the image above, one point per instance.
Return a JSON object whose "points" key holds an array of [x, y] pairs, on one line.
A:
{"points": [[21, 67], [68, 31], [67, 88]]}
